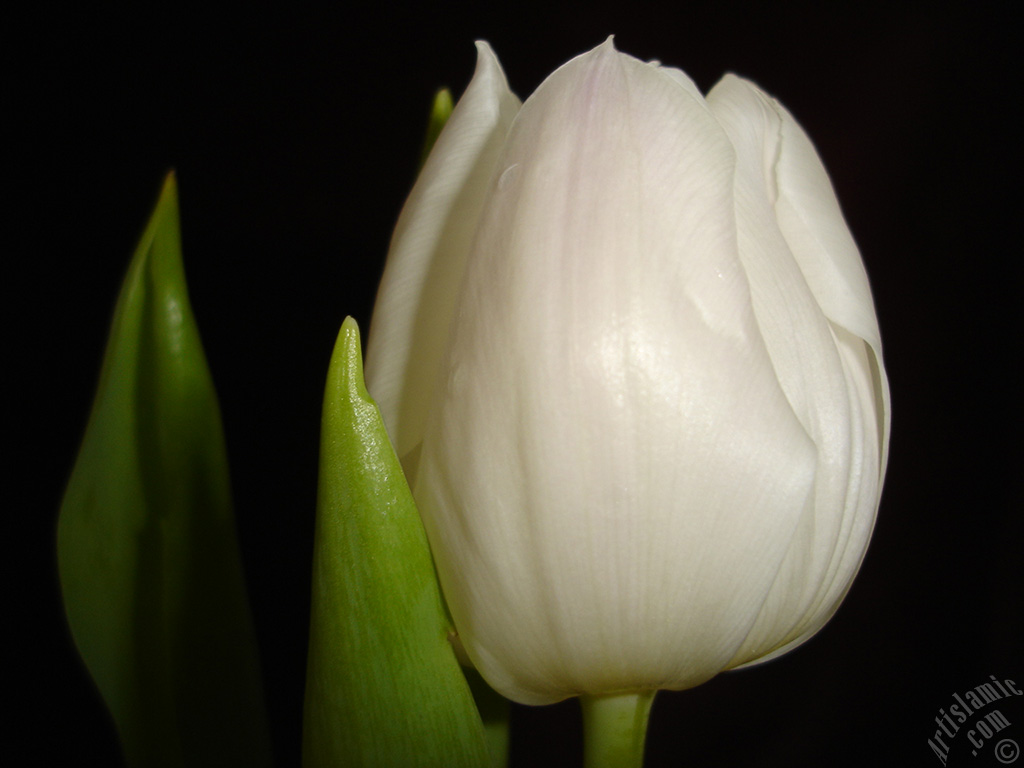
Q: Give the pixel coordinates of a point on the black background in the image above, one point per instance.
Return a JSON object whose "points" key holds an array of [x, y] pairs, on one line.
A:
{"points": [[295, 135]]}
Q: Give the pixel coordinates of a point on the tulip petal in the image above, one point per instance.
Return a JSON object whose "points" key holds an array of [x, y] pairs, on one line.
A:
{"points": [[809, 216], [646, 415], [824, 368], [609, 406], [428, 253], [813, 224]]}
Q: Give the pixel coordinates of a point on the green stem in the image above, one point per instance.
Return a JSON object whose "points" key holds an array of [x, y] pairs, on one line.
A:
{"points": [[614, 728]]}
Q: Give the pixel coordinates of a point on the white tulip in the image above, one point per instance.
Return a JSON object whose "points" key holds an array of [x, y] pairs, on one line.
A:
{"points": [[626, 349]]}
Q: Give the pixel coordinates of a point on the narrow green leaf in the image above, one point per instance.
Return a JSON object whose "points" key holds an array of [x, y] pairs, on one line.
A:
{"points": [[149, 564], [440, 111], [494, 711], [383, 687]]}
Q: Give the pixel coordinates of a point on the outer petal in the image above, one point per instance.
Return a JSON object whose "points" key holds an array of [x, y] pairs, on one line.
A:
{"points": [[809, 216], [608, 407], [825, 369], [428, 252]]}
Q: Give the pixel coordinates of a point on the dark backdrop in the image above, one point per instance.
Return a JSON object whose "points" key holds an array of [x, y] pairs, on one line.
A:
{"points": [[296, 134]]}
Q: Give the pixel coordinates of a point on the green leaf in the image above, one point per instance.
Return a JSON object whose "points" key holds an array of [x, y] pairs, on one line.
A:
{"points": [[494, 711], [149, 564], [440, 111], [383, 687]]}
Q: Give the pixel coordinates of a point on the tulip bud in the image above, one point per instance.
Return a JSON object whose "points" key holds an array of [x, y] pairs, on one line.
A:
{"points": [[626, 349]]}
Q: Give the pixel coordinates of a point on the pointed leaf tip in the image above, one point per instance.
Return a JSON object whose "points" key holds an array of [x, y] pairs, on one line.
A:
{"points": [[440, 111], [348, 355], [149, 565], [383, 686]]}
